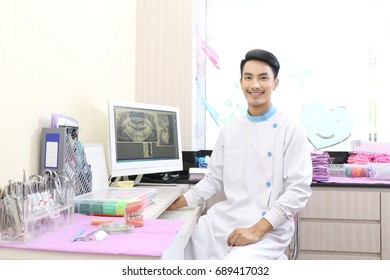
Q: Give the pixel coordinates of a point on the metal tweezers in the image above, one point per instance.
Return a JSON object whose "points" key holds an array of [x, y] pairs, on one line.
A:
{"points": [[85, 238]]}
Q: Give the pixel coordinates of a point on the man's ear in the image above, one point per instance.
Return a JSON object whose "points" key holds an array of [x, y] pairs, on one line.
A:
{"points": [[276, 83]]}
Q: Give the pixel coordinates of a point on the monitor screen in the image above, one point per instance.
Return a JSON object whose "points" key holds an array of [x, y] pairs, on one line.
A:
{"points": [[144, 138]]}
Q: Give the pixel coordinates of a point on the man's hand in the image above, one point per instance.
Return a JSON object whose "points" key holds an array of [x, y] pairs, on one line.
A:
{"points": [[242, 237], [253, 234], [178, 203]]}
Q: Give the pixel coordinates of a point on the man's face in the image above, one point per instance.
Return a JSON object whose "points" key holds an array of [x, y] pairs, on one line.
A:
{"points": [[257, 84]]}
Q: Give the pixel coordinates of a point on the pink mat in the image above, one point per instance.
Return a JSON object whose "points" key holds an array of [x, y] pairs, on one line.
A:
{"points": [[150, 240], [358, 180]]}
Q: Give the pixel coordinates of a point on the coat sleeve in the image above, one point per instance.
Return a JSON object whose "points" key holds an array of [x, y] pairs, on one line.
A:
{"points": [[211, 184], [297, 178]]}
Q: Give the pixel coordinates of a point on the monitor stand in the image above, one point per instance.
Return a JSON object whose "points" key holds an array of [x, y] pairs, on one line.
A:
{"points": [[138, 179], [135, 182]]}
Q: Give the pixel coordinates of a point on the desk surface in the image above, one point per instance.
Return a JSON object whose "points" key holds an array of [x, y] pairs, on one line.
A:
{"points": [[362, 182], [164, 197], [148, 241], [163, 238]]}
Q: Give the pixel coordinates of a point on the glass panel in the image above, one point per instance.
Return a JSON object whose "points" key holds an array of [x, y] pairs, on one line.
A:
{"points": [[333, 52]]}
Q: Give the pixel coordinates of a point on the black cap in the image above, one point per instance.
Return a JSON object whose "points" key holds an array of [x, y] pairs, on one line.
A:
{"points": [[262, 55]]}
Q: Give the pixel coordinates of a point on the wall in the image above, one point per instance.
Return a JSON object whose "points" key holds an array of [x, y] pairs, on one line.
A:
{"points": [[164, 68], [66, 57]]}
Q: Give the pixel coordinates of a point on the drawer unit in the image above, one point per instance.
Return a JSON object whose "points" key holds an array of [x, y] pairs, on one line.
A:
{"points": [[337, 256], [340, 237], [349, 205], [385, 225], [345, 224]]}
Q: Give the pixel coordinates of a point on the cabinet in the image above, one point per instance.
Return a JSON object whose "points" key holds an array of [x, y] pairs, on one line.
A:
{"points": [[385, 225], [345, 223]]}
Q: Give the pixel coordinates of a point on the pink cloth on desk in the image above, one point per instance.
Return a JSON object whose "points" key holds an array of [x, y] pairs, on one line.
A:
{"points": [[150, 240]]}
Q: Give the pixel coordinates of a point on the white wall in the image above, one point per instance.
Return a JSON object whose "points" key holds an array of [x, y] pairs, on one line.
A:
{"points": [[164, 61], [66, 57]]}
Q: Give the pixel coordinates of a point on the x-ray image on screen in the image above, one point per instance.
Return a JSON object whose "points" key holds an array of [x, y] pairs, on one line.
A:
{"points": [[135, 126], [145, 134], [165, 132], [144, 138], [148, 153]]}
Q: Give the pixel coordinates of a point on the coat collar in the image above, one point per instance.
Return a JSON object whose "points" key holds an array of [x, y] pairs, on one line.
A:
{"points": [[265, 116]]}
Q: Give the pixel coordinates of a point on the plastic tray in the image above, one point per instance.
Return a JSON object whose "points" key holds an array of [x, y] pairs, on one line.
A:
{"points": [[37, 224], [112, 202]]}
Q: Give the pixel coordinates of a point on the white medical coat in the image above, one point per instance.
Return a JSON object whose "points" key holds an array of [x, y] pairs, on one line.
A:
{"points": [[263, 166]]}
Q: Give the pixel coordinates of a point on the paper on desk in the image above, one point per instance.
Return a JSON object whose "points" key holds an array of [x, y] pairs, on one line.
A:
{"points": [[194, 170], [95, 158]]}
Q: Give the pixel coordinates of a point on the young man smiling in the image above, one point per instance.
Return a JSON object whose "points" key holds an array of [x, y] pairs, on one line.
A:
{"points": [[261, 162], [258, 81]]}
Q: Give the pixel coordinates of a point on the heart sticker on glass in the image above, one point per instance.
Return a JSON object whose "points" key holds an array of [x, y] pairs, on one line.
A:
{"points": [[325, 128]]}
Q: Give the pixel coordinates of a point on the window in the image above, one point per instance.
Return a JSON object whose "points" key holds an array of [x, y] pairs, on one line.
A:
{"points": [[334, 52]]}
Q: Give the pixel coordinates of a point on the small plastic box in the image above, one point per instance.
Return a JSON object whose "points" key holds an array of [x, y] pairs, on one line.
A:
{"points": [[112, 202], [356, 170], [336, 170]]}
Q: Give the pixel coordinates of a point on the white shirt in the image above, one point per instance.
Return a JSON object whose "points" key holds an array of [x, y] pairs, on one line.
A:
{"points": [[263, 166]]}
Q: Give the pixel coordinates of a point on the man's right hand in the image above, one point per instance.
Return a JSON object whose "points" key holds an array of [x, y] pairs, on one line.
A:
{"points": [[178, 203]]}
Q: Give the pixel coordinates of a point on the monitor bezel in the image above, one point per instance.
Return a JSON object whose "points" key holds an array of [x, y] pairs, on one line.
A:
{"points": [[138, 168]]}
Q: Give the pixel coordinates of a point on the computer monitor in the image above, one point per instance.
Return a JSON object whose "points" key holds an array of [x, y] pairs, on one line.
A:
{"points": [[143, 139]]}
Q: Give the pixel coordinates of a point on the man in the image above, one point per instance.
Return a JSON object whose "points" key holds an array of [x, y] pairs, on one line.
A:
{"points": [[261, 162]]}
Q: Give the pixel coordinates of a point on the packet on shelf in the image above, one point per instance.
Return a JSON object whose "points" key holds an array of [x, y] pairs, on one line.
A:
{"points": [[379, 171], [125, 184]]}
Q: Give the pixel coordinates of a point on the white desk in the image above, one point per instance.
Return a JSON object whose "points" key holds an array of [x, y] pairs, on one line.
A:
{"points": [[164, 197], [166, 194]]}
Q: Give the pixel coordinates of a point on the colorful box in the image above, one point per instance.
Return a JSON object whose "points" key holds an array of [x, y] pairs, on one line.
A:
{"points": [[112, 202]]}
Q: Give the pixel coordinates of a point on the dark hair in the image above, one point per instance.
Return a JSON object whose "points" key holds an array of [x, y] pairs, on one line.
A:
{"points": [[262, 55]]}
